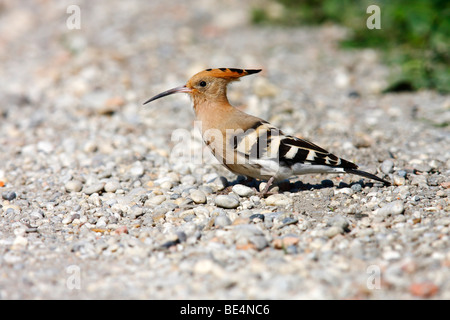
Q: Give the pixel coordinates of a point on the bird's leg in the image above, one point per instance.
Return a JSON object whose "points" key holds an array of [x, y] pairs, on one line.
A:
{"points": [[266, 188], [227, 190]]}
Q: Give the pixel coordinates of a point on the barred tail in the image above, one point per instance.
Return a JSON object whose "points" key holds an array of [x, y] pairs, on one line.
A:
{"points": [[367, 175]]}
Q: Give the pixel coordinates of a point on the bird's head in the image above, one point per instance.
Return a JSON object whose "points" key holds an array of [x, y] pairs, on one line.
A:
{"points": [[209, 84]]}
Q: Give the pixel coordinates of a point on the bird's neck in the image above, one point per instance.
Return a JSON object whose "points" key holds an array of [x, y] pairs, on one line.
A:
{"points": [[212, 111]]}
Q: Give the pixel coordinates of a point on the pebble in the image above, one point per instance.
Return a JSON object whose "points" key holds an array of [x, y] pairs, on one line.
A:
{"points": [[257, 216], [339, 221], [45, 146], [219, 183], [278, 200], [243, 191], [198, 196], [227, 202], [156, 200], [166, 185], [137, 169], [247, 233], [387, 166], [422, 167], [94, 188], [73, 186], [9, 195], [402, 173], [285, 242], [188, 180], [419, 180], [333, 231], [287, 221], [399, 180], [347, 191], [424, 289], [19, 243], [222, 221], [112, 186], [391, 209]]}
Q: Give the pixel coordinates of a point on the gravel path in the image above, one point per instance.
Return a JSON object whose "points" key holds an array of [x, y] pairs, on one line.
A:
{"points": [[100, 197]]}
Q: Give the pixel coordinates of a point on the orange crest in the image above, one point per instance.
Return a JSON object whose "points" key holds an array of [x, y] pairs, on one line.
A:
{"points": [[230, 74]]}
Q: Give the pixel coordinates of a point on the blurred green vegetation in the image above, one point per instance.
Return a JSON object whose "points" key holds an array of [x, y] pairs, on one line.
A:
{"points": [[414, 34]]}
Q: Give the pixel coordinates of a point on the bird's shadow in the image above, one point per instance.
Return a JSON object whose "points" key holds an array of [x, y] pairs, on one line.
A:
{"points": [[297, 186]]}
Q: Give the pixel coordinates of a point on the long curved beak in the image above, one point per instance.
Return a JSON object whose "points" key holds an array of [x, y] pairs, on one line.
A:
{"points": [[168, 92]]}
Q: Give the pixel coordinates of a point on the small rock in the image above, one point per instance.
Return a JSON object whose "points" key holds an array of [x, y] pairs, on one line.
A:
{"points": [[101, 222], [9, 195], [391, 255], [67, 219], [284, 242], [156, 200], [202, 212], [36, 215], [250, 234], [112, 186], [419, 180], [356, 187], [227, 202], [422, 167], [259, 241], [347, 191], [137, 169], [333, 231], [423, 289], [399, 180], [204, 266], [240, 220], [278, 200], [390, 209], [158, 214], [219, 183], [339, 221], [402, 173], [387, 166], [121, 230], [111, 105], [170, 243], [287, 221], [243, 191], [45, 146], [222, 221], [95, 188], [166, 185], [257, 216], [19, 242], [136, 211], [198, 196], [188, 180]]}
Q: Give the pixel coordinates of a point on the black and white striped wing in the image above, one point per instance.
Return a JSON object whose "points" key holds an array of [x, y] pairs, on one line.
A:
{"points": [[293, 150], [264, 151]]}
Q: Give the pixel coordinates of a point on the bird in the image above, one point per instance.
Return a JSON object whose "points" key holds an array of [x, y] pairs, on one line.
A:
{"points": [[250, 146]]}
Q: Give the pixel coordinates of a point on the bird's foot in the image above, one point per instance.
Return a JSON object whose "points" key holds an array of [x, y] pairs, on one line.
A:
{"points": [[225, 191], [265, 192]]}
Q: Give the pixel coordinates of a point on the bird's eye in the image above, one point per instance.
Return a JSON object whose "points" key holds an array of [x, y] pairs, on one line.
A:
{"points": [[202, 83]]}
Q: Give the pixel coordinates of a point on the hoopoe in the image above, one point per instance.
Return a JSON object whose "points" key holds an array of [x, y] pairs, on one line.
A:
{"points": [[251, 146]]}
